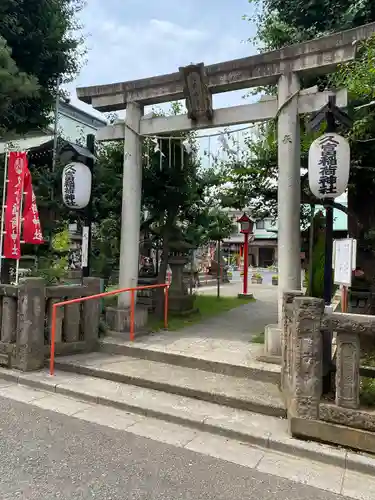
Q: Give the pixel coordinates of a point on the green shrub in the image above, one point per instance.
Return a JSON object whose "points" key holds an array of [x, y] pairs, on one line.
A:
{"points": [[53, 269]]}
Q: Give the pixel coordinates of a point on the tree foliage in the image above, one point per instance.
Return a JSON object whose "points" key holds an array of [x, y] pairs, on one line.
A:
{"points": [[14, 85], [177, 199], [284, 23], [252, 178], [38, 45], [359, 78]]}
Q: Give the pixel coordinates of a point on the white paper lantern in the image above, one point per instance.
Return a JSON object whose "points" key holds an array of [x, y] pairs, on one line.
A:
{"points": [[329, 166], [76, 185]]}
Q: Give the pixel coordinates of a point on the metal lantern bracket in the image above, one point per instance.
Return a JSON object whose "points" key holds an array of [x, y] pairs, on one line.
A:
{"points": [[329, 113]]}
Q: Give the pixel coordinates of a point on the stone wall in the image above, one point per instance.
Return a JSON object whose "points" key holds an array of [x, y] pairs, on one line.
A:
{"points": [[302, 370], [25, 321]]}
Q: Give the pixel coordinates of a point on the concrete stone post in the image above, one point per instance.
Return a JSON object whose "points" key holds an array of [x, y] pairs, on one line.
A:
{"points": [[289, 187], [286, 338], [306, 366], [131, 203], [30, 324], [91, 313], [348, 356], [9, 319]]}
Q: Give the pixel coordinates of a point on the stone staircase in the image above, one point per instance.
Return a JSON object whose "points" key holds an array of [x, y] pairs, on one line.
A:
{"points": [[225, 390], [239, 402]]}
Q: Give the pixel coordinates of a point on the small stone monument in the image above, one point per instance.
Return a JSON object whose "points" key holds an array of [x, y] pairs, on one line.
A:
{"points": [[180, 301]]}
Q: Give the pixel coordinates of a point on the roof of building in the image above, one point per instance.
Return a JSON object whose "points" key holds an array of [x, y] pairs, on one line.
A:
{"points": [[63, 146], [75, 112]]}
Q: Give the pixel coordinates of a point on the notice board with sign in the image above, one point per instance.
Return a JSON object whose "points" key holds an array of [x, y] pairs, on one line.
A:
{"points": [[344, 260]]}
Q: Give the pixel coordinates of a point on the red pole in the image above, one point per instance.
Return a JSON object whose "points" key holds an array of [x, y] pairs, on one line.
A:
{"points": [[166, 307], [245, 262], [132, 314], [53, 340]]}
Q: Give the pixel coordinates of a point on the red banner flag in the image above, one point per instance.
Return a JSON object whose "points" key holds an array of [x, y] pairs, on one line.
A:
{"points": [[17, 166], [32, 231]]}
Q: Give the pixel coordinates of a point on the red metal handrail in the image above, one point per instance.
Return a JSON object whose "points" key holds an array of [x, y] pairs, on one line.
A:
{"points": [[98, 296]]}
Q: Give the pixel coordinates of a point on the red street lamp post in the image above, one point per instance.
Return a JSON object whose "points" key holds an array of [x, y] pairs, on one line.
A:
{"points": [[246, 230]]}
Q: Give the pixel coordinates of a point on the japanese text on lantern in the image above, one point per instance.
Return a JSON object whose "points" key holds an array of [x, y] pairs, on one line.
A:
{"points": [[69, 187], [328, 165]]}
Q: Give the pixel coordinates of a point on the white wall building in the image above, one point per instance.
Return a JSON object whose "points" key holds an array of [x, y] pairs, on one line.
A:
{"points": [[263, 248], [73, 124]]}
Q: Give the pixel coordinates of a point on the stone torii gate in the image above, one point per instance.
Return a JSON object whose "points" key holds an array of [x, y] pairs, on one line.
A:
{"points": [[197, 83]]}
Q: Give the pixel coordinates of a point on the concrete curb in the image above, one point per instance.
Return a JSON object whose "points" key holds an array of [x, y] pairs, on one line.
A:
{"points": [[305, 449]]}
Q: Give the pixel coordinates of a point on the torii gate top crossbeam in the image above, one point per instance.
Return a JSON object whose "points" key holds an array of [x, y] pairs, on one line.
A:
{"points": [[321, 55]]}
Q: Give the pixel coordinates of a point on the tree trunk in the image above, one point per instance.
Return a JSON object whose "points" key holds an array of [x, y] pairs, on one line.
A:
{"points": [[162, 276], [364, 232]]}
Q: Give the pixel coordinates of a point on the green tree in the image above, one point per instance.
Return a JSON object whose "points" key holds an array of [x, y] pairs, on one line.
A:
{"points": [[178, 195], [174, 186], [284, 23], [359, 78], [212, 225], [40, 47], [14, 85], [252, 178]]}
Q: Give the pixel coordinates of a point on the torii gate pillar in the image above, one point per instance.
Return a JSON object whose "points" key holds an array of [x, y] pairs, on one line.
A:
{"points": [[289, 187], [131, 203]]}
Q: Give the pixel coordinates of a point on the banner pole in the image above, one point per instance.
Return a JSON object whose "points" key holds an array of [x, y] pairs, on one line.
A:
{"points": [[3, 209], [20, 224]]}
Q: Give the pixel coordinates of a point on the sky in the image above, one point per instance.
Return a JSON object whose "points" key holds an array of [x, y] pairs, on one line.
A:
{"points": [[132, 39]]}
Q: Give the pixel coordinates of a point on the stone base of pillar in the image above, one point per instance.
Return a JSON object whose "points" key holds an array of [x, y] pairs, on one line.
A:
{"points": [[181, 304], [245, 296], [118, 320], [272, 340]]}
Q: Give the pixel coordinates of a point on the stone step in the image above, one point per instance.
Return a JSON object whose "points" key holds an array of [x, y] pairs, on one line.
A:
{"points": [[226, 390], [264, 371]]}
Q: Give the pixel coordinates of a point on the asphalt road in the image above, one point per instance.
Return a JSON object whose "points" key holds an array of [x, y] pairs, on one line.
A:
{"points": [[45, 455]]}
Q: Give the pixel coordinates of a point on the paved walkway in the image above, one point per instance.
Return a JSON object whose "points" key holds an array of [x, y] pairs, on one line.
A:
{"points": [[224, 338], [243, 322]]}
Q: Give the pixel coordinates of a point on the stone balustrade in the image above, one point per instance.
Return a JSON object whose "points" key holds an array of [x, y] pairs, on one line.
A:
{"points": [[351, 330], [302, 355], [302, 362], [25, 321]]}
